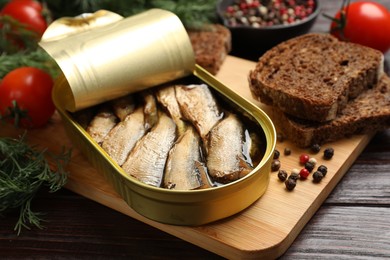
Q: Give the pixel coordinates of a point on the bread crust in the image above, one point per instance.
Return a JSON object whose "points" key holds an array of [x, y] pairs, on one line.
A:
{"points": [[314, 76], [368, 112], [211, 46]]}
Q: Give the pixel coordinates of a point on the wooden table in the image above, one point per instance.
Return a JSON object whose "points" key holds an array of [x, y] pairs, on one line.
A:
{"points": [[352, 222]]}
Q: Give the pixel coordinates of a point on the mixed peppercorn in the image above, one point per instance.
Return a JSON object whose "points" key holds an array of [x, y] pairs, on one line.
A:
{"points": [[328, 153], [262, 13], [308, 163]]}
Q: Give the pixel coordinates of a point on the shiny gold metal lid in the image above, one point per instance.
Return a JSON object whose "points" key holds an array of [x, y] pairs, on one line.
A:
{"points": [[104, 56]]}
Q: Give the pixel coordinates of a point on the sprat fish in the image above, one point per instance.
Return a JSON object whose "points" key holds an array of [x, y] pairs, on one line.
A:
{"points": [[181, 171], [123, 106], [122, 138], [167, 98], [150, 110], [101, 124], [198, 106], [146, 161], [225, 160]]}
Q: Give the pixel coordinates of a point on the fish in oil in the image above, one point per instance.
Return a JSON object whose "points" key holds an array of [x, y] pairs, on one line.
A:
{"points": [[224, 148], [181, 171], [146, 161], [123, 137]]}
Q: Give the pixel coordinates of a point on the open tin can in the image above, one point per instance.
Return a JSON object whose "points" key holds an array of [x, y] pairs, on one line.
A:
{"points": [[103, 57]]}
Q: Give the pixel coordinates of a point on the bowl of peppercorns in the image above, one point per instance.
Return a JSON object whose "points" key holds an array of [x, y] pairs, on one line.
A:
{"points": [[258, 25]]}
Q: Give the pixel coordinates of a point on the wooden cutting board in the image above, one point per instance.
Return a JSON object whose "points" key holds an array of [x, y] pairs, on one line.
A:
{"points": [[264, 230]]}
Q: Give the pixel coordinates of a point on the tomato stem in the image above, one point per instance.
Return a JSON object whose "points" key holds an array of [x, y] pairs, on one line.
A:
{"points": [[15, 113], [340, 22]]}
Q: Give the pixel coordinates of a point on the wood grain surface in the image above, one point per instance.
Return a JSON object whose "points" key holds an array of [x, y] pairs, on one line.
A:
{"points": [[350, 224]]}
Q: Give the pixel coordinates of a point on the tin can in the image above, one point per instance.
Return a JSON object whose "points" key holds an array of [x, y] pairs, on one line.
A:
{"points": [[178, 207], [117, 56]]}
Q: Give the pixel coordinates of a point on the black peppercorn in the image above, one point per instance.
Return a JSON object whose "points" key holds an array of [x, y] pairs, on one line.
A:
{"points": [[315, 148], [287, 151], [323, 169], [275, 165], [294, 176], [309, 166], [280, 137], [290, 184], [328, 153], [282, 175], [317, 176], [276, 154]]}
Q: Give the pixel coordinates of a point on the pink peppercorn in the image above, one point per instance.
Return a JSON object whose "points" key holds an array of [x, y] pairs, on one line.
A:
{"points": [[255, 4], [230, 9], [304, 158], [304, 173]]}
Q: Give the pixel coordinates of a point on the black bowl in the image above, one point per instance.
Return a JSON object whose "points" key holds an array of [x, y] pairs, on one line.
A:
{"points": [[251, 42]]}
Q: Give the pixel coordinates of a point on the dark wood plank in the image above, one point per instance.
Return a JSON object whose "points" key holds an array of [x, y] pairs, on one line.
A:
{"points": [[368, 180], [344, 232], [80, 228]]}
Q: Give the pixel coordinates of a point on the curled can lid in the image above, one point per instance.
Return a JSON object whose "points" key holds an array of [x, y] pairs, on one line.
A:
{"points": [[104, 56]]}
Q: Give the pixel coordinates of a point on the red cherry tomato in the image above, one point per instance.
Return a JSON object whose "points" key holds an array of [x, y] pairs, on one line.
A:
{"points": [[367, 23], [31, 89], [34, 4], [27, 12]]}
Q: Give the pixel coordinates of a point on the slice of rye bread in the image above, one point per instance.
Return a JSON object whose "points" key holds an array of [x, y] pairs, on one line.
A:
{"points": [[211, 46], [370, 111], [313, 76]]}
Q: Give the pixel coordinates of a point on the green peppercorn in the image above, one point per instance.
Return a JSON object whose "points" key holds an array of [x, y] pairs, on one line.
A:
{"points": [[290, 184], [328, 153], [323, 169], [282, 175], [309, 166], [287, 151], [315, 148], [275, 165], [276, 154], [317, 176]]}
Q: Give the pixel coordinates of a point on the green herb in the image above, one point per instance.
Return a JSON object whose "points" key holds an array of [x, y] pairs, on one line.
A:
{"points": [[19, 47], [3, 2], [37, 58], [15, 36], [193, 14], [23, 171]]}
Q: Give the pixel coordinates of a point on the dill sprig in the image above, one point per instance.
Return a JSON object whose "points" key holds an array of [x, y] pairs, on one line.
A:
{"points": [[19, 47], [23, 171], [37, 58], [15, 36], [193, 14]]}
